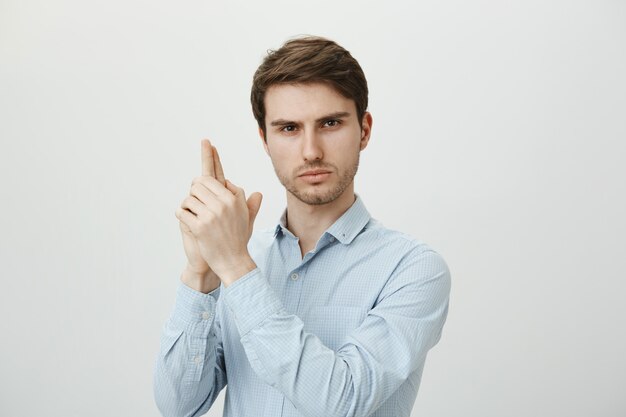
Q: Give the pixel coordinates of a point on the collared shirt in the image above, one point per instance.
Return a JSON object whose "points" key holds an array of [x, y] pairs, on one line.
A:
{"points": [[342, 331]]}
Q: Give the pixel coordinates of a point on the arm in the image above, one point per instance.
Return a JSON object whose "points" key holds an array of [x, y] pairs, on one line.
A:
{"points": [[373, 361], [189, 371]]}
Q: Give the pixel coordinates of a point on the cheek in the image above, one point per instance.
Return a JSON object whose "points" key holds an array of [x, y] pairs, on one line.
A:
{"points": [[279, 156], [345, 145], [275, 151]]}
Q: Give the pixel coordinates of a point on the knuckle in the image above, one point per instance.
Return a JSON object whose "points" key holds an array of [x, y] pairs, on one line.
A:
{"points": [[231, 198], [199, 181], [220, 209], [206, 221], [227, 203], [195, 189]]}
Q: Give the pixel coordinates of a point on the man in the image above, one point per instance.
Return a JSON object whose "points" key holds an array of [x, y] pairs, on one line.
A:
{"points": [[327, 314]]}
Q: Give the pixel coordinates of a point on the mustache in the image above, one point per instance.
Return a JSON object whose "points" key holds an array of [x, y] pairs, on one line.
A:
{"points": [[312, 166]]}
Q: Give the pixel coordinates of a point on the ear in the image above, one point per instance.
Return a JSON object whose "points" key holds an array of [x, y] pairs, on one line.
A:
{"points": [[366, 129], [262, 136]]}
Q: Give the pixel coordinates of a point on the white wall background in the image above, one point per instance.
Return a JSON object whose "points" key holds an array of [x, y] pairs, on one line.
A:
{"points": [[499, 130]]}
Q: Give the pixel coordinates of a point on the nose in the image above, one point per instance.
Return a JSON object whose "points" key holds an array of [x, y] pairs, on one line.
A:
{"points": [[311, 146]]}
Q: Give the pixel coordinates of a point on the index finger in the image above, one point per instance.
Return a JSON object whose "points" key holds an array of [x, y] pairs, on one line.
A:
{"points": [[207, 158], [219, 171]]}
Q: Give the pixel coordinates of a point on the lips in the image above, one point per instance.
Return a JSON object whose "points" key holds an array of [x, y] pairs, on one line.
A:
{"points": [[315, 172], [315, 176]]}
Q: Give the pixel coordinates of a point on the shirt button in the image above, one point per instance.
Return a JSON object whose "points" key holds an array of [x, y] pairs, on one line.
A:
{"points": [[294, 277], [197, 359], [332, 239], [206, 315]]}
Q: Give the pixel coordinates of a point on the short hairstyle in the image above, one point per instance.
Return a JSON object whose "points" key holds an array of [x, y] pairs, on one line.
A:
{"points": [[309, 59]]}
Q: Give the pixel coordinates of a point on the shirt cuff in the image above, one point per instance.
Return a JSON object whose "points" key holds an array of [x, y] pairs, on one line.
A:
{"points": [[251, 300], [193, 310]]}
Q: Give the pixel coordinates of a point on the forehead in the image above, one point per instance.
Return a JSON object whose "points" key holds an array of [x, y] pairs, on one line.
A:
{"points": [[304, 101]]}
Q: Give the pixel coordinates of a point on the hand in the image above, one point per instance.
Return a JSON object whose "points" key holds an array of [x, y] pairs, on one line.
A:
{"points": [[198, 275], [218, 220]]}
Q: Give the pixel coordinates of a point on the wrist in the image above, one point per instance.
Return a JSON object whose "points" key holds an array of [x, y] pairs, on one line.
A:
{"points": [[236, 269], [201, 281]]}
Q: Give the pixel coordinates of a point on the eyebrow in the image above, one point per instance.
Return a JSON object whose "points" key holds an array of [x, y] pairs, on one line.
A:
{"points": [[335, 115]]}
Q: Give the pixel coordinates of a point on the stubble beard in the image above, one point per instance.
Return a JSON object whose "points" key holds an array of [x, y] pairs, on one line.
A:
{"points": [[320, 197]]}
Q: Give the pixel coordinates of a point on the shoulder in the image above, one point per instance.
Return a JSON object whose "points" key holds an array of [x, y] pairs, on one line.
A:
{"points": [[410, 254], [399, 241]]}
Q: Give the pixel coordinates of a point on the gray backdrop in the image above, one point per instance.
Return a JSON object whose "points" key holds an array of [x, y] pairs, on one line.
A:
{"points": [[498, 139]]}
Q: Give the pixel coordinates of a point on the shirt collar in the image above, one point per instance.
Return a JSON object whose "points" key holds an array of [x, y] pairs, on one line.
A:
{"points": [[281, 226], [345, 228]]}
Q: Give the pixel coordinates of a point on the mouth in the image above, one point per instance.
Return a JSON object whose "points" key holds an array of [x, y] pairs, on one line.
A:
{"points": [[315, 176], [315, 172]]}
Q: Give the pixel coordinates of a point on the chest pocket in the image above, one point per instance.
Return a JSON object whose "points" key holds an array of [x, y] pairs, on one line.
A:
{"points": [[333, 323]]}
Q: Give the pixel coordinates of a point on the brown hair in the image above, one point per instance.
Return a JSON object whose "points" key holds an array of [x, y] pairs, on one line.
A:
{"points": [[307, 60]]}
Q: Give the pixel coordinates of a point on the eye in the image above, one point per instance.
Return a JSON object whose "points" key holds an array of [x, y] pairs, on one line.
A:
{"points": [[288, 128], [332, 123]]}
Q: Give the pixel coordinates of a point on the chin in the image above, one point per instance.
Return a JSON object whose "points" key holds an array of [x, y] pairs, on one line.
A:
{"points": [[318, 197]]}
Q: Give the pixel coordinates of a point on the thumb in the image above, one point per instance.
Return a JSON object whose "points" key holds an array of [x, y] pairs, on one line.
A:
{"points": [[254, 205]]}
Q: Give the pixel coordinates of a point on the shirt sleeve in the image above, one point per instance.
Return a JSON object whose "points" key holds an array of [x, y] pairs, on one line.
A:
{"points": [[374, 360], [189, 371]]}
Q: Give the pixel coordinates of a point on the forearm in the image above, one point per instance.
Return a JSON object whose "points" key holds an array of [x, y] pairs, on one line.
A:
{"points": [[189, 370], [368, 365], [315, 378], [201, 281]]}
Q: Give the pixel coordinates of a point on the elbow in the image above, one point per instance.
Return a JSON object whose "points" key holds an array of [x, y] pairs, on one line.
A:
{"points": [[358, 399], [167, 398], [165, 402]]}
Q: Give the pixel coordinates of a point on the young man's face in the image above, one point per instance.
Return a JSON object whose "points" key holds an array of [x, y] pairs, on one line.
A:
{"points": [[313, 129]]}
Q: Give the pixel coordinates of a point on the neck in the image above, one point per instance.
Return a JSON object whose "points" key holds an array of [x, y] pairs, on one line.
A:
{"points": [[308, 222]]}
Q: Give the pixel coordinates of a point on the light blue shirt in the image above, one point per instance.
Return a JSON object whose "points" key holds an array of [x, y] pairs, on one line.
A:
{"points": [[343, 331]]}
